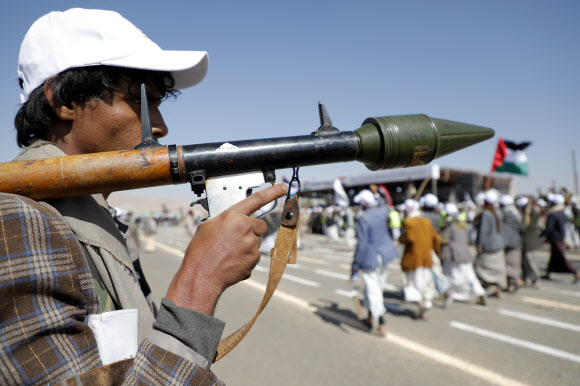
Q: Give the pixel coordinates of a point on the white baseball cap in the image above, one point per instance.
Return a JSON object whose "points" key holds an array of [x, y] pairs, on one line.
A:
{"points": [[411, 205], [79, 37], [491, 197], [506, 200], [522, 201], [365, 197], [430, 200], [451, 209], [558, 199]]}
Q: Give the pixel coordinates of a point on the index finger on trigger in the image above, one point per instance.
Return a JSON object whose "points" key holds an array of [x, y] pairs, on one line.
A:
{"points": [[257, 200]]}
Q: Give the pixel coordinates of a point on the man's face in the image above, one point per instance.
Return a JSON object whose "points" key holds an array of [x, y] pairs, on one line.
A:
{"points": [[116, 125]]}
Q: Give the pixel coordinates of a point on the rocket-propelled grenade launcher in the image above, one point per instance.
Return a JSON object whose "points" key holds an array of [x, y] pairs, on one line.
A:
{"points": [[228, 171]]}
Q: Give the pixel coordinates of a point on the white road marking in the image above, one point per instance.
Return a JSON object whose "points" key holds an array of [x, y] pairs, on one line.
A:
{"points": [[293, 278], [537, 319], [167, 248], [348, 294], [570, 293], [335, 275], [517, 342], [329, 254], [284, 296], [311, 260], [477, 307], [550, 303], [459, 364]]}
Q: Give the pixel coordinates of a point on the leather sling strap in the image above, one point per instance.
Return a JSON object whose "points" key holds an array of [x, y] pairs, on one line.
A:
{"points": [[284, 252]]}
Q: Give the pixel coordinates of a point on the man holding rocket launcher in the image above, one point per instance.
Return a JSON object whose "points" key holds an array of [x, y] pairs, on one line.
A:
{"points": [[75, 300]]}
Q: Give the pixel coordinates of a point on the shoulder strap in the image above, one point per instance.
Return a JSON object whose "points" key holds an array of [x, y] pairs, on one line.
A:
{"points": [[284, 252]]}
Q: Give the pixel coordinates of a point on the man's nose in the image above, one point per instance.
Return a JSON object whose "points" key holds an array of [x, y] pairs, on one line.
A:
{"points": [[159, 128]]}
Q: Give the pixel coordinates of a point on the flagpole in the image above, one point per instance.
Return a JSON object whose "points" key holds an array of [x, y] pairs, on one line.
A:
{"points": [[422, 187], [488, 182], [498, 157], [488, 179]]}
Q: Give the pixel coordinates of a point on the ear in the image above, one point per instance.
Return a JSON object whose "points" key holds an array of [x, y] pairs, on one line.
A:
{"points": [[62, 112]]}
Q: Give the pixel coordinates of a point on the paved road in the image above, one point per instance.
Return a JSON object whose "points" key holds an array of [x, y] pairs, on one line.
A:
{"points": [[310, 334]]}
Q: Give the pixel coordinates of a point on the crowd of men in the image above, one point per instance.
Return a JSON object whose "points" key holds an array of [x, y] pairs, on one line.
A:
{"points": [[466, 251]]}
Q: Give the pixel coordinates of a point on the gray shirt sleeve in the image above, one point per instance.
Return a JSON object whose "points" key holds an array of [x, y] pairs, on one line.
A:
{"points": [[187, 333]]}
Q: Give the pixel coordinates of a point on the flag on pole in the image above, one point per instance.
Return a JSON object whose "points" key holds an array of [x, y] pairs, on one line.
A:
{"points": [[340, 196], [385, 193], [510, 157]]}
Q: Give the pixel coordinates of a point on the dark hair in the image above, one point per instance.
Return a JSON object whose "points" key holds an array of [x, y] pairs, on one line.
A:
{"points": [[79, 86]]}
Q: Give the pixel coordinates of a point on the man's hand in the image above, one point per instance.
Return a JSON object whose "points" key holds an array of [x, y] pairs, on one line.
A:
{"points": [[223, 251], [353, 272]]}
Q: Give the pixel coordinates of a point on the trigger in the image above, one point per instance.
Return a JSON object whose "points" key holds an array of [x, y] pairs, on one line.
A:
{"points": [[202, 202]]}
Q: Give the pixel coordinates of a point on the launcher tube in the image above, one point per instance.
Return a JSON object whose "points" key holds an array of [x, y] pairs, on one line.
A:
{"points": [[269, 154]]}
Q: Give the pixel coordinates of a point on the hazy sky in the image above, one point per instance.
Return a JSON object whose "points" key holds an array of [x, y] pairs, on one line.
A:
{"points": [[510, 65]]}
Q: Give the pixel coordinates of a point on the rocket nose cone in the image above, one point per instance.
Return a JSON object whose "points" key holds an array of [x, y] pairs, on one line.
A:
{"points": [[402, 141], [455, 136]]}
